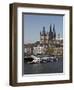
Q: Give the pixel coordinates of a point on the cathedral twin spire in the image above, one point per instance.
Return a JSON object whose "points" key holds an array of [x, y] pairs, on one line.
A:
{"points": [[52, 33], [52, 28]]}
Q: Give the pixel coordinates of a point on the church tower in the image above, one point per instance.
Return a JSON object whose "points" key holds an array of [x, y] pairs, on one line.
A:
{"points": [[54, 33], [47, 37], [50, 33], [43, 36]]}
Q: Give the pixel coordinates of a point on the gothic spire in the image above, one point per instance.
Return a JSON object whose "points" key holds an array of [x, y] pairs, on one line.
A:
{"points": [[54, 33], [53, 27], [44, 30], [50, 32], [50, 28]]}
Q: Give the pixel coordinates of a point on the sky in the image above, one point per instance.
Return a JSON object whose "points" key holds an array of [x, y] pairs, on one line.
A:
{"points": [[33, 24]]}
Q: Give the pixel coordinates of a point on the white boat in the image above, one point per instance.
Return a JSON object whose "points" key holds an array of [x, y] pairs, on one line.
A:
{"points": [[36, 59]]}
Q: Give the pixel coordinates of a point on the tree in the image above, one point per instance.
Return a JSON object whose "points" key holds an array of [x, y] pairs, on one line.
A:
{"points": [[51, 50]]}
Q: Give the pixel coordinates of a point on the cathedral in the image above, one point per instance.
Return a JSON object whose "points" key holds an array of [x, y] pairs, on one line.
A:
{"points": [[46, 37]]}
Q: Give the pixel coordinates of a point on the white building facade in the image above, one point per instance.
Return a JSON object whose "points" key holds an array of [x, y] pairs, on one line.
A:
{"points": [[38, 50]]}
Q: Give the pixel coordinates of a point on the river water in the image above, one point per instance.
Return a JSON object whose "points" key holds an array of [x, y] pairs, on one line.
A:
{"points": [[50, 67]]}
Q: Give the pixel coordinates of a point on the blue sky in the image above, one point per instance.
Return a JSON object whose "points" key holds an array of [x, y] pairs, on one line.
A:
{"points": [[33, 24]]}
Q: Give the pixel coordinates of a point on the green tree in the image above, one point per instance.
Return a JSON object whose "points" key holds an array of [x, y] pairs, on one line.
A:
{"points": [[50, 51]]}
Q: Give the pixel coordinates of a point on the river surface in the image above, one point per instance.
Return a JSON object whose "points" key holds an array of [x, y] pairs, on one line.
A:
{"points": [[50, 67]]}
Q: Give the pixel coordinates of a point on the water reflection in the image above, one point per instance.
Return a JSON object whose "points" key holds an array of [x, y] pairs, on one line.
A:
{"points": [[50, 67]]}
